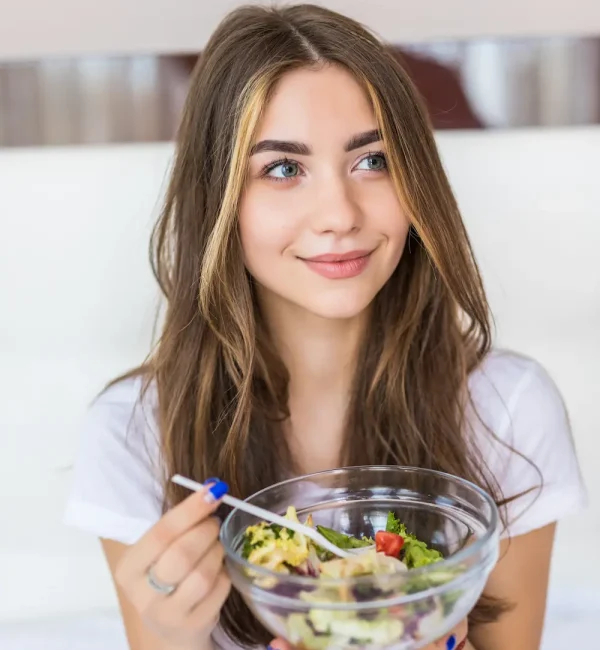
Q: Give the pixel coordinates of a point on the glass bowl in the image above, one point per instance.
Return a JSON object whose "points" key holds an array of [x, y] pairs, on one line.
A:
{"points": [[403, 611]]}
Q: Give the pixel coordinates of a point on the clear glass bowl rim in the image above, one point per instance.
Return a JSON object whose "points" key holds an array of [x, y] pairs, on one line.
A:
{"points": [[392, 581]]}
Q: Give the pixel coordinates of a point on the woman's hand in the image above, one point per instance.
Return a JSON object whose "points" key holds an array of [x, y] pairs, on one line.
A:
{"points": [[456, 640], [174, 575]]}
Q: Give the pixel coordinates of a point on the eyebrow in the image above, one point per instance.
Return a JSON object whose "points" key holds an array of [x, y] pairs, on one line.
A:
{"points": [[300, 149]]}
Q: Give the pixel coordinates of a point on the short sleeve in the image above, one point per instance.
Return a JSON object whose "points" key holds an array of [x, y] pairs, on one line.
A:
{"points": [[534, 455], [116, 490]]}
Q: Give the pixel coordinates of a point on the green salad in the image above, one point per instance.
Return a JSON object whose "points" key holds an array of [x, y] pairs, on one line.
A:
{"points": [[391, 551], [281, 549]]}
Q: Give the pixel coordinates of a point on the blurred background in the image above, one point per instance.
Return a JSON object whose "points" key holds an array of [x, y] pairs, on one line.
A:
{"points": [[90, 96]]}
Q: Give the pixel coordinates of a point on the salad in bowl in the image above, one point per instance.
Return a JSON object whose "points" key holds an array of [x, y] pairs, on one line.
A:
{"points": [[393, 550], [421, 553]]}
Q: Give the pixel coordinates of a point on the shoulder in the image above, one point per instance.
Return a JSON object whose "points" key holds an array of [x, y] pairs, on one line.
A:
{"points": [[505, 380], [127, 409], [524, 437], [517, 399], [116, 490]]}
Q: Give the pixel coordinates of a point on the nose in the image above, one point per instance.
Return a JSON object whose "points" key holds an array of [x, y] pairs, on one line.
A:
{"points": [[337, 211]]}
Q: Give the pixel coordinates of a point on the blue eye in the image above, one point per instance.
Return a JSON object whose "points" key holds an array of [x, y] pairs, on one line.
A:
{"points": [[286, 169], [373, 162]]}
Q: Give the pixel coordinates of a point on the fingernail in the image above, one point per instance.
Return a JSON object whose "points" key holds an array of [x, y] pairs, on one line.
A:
{"points": [[451, 642], [210, 480], [216, 491]]}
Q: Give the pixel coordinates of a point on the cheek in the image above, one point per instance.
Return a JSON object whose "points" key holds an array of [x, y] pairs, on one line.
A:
{"points": [[401, 232], [390, 220], [265, 233], [382, 210]]}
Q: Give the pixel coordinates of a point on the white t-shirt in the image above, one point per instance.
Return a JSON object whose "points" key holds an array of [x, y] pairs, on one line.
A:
{"points": [[117, 493]]}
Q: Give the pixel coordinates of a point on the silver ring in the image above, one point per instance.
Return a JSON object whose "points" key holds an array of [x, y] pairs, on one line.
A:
{"points": [[157, 585]]}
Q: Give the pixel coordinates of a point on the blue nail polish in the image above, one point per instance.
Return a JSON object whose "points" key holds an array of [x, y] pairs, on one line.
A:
{"points": [[218, 490], [451, 642], [210, 480]]}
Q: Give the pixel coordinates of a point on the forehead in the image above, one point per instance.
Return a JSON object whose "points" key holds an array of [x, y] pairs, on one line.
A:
{"points": [[325, 104]]}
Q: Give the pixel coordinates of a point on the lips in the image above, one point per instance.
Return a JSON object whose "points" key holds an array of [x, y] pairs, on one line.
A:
{"points": [[338, 257], [339, 266]]}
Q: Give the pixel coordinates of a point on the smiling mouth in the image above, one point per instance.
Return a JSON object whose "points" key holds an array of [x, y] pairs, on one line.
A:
{"points": [[339, 266], [339, 257]]}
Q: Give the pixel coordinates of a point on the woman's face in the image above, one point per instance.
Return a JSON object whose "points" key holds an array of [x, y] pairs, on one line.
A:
{"points": [[321, 226]]}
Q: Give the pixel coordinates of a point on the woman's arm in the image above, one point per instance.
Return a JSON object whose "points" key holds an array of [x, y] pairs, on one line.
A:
{"points": [[520, 577], [138, 637]]}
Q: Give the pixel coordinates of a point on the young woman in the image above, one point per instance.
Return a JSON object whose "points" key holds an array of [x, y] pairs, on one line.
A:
{"points": [[323, 309]]}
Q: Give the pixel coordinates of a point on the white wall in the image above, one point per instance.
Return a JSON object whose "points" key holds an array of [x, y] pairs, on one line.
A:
{"points": [[77, 300], [37, 28]]}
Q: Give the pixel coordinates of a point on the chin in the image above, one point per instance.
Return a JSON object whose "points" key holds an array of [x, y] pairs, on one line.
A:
{"points": [[342, 307]]}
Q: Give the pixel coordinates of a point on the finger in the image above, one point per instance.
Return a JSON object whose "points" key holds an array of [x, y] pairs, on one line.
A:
{"points": [[280, 644], [206, 614], [198, 585], [456, 639], [172, 525], [180, 559]]}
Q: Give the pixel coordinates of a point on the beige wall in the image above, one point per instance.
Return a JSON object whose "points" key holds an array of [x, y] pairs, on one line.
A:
{"points": [[37, 28]]}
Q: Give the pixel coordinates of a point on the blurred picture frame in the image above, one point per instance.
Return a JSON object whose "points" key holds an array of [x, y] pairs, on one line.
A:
{"points": [[466, 84]]}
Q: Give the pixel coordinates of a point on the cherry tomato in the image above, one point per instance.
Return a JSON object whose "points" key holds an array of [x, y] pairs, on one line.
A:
{"points": [[389, 543]]}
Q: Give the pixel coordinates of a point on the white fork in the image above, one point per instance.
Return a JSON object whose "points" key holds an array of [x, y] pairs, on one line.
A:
{"points": [[267, 515]]}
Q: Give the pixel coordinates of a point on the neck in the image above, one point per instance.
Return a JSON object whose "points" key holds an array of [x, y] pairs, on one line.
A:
{"points": [[319, 353]]}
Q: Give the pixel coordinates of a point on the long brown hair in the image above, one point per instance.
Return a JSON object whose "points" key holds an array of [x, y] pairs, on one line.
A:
{"points": [[222, 389]]}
